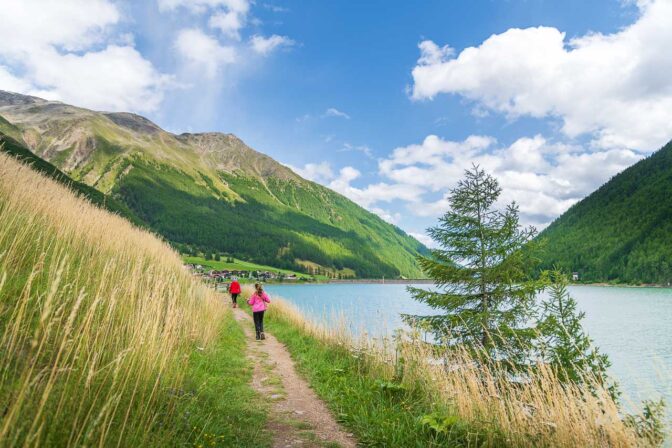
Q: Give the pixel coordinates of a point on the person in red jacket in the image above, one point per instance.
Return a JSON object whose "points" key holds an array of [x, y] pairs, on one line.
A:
{"points": [[234, 290]]}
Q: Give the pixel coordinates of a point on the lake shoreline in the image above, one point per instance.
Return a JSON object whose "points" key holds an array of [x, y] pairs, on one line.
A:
{"points": [[374, 281], [623, 285], [630, 324], [344, 374], [370, 281]]}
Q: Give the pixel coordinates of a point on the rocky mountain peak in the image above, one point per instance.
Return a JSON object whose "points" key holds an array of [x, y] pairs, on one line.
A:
{"points": [[17, 99], [229, 153], [134, 122]]}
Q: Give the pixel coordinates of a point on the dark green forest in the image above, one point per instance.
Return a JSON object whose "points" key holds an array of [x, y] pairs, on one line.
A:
{"points": [[622, 232]]}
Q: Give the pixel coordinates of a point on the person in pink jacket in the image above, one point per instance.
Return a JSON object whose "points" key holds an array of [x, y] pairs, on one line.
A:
{"points": [[258, 301]]}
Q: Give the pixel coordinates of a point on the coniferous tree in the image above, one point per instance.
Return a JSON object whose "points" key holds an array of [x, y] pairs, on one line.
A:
{"points": [[480, 269], [563, 342]]}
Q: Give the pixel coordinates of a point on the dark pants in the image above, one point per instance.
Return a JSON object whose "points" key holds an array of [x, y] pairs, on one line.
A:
{"points": [[258, 322], [234, 297]]}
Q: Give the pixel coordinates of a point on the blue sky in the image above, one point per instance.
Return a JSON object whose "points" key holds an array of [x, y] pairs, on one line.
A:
{"points": [[386, 102]]}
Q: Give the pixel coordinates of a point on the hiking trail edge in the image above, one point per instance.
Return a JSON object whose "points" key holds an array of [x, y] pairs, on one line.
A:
{"points": [[297, 418]]}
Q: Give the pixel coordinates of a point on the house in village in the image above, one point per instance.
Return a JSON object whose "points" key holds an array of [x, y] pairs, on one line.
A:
{"points": [[223, 275]]}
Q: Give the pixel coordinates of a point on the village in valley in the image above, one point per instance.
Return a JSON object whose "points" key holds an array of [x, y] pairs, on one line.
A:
{"points": [[210, 275], [217, 268]]}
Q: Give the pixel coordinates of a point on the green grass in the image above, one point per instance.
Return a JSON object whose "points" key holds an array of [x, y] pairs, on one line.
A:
{"points": [[105, 340], [99, 323], [377, 412], [218, 406], [240, 265]]}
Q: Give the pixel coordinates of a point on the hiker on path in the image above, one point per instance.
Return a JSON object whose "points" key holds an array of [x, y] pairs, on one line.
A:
{"points": [[258, 301], [234, 290]]}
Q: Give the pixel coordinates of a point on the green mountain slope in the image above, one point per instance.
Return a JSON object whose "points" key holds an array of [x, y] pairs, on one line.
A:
{"points": [[9, 145], [623, 231], [210, 191]]}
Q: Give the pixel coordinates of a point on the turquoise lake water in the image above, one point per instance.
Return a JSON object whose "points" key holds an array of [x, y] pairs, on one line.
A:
{"points": [[632, 325]]}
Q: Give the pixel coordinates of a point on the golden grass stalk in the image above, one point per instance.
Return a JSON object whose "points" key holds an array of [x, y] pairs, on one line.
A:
{"points": [[97, 320], [540, 412]]}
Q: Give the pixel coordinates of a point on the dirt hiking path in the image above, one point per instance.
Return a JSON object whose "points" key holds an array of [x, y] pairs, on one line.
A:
{"points": [[298, 418]]}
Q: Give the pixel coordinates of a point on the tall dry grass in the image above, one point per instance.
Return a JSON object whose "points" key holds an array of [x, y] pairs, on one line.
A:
{"points": [[537, 413], [97, 320]]}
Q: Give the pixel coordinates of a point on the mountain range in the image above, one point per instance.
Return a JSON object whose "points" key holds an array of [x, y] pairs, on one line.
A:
{"points": [[210, 192], [205, 192]]}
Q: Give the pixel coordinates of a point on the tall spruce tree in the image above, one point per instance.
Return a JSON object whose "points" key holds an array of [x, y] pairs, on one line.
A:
{"points": [[565, 345], [480, 272]]}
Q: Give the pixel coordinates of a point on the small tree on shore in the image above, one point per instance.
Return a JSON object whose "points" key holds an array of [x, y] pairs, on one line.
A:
{"points": [[480, 271], [565, 345]]}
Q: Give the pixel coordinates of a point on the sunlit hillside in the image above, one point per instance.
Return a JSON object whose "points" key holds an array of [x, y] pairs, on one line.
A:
{"points": [[97, 319], [210, 192]]}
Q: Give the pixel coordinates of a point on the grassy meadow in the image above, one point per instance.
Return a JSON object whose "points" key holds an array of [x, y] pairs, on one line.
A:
{"points": [[389, 393], [105, 339]]}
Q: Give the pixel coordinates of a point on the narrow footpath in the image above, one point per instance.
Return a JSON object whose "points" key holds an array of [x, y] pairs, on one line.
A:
{"points": [[298, 418]]}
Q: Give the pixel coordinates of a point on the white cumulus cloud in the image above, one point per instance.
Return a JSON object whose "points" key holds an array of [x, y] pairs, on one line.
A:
{"points": [[317, 172], [265, 45], [615, 87], [203, 52], [229, 23], [68, 50], [208, 52], [200, 6], [342, 182], [13, 83], [544, 178]]}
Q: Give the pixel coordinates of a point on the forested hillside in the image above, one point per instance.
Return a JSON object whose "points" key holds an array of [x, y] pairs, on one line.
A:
{"points": [[210, 192], [623, 231]]}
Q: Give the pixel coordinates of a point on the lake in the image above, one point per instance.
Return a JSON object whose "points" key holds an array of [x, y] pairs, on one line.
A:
{"points": [[632, 325]]}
